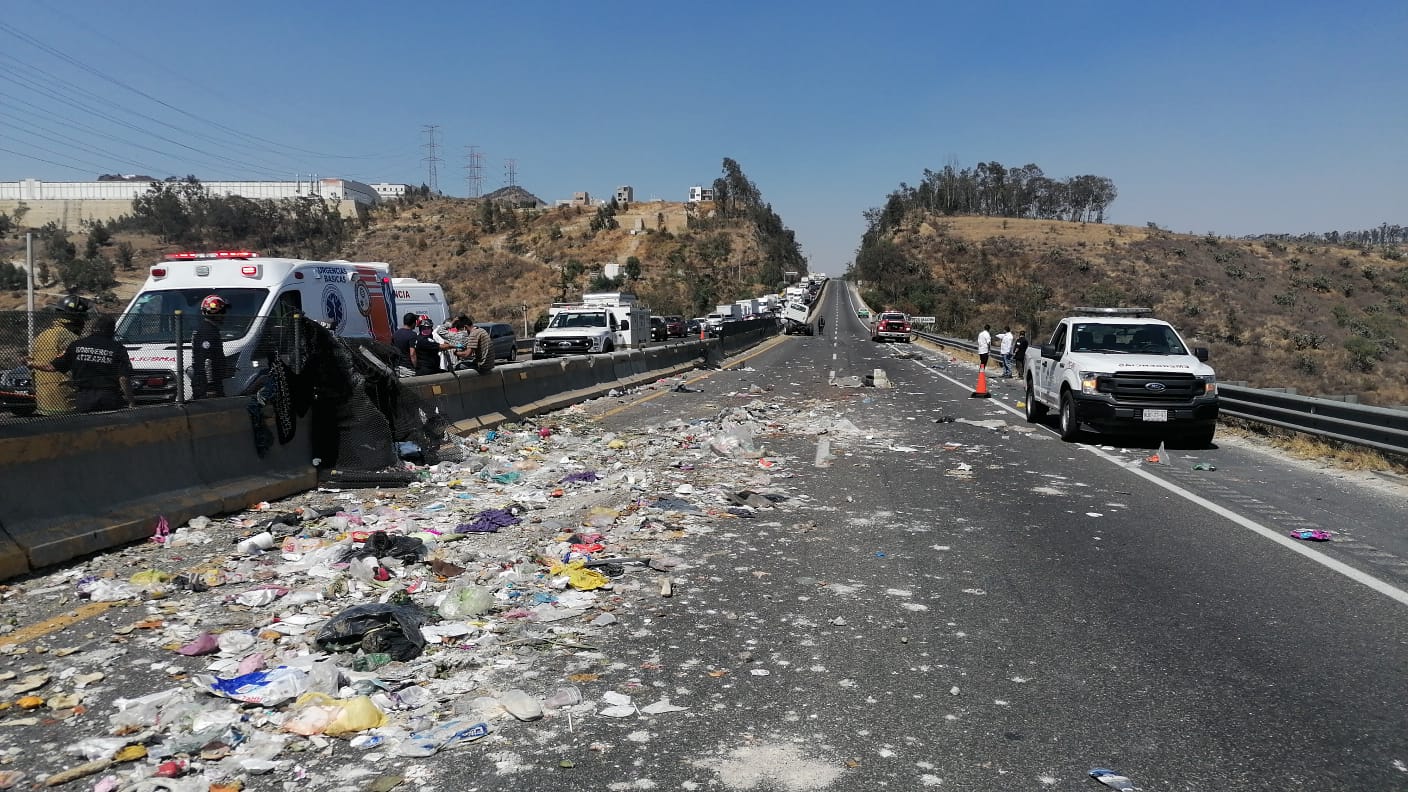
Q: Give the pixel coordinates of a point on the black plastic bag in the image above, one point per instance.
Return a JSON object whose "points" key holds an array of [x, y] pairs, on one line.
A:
{"points": [[376, 627], [381, 544]]}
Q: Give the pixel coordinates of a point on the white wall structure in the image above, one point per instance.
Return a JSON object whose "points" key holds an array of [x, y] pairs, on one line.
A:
{"points": [[69, 203], [699, 193], [388, 190]]}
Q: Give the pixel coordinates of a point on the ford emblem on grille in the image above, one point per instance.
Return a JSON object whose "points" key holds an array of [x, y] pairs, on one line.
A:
{"points": [[1154, 386]]}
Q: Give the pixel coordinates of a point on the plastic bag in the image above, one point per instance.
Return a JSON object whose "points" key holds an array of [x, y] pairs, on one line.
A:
{"points": [[432, 740], [579, 577], [266, 688], [324, 714], [465, 600], [376, 627], [380, 544]]}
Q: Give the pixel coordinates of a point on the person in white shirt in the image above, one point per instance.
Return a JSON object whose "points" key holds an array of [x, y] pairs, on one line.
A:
{"points": [[1004, 349], [984, 346]]}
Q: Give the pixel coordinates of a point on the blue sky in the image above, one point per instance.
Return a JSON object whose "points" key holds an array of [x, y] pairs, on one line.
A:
{"points": [[1232, 117]]}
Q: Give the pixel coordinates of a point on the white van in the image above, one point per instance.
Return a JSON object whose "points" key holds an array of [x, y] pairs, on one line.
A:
{"points": [[353, 299], [420, 298]]}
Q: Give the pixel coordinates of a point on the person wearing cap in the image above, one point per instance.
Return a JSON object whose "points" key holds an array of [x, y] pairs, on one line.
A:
{"points": [[425, 351], [208, 366], [53, 390], [100, 368]]}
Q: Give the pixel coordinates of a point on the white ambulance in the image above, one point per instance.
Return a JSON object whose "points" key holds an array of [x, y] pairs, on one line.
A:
{"points": [[353, 299]]}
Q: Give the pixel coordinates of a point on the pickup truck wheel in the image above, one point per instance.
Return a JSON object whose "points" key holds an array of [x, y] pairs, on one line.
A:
{"points": [[1199, 439], [608, 347], [1035, 409], [1070, 427]]}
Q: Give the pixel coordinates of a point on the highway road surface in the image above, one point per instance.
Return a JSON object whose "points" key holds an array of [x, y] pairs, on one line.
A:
{"points": [[940, 596]]}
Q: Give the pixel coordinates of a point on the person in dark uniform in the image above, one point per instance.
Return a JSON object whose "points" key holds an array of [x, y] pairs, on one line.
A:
{"points": [[425, 352], [1019, 352], [208, 350], [99, 368], [403, 338]]}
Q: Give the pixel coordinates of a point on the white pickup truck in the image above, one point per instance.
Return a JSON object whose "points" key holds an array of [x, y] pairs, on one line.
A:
{"points": [[1118, 370]]}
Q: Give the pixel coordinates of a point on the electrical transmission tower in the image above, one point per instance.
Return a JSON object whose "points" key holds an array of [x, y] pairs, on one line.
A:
{"points": [[431, 158], [511, 172], [474, 171]]}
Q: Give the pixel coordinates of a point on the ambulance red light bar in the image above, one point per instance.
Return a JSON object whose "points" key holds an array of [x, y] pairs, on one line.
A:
{"points": [[191, 255]]}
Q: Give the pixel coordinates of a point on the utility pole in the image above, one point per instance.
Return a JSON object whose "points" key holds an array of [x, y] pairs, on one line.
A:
{"points": [[511, 172], [431, 158], [474, 171], [29, 282]]}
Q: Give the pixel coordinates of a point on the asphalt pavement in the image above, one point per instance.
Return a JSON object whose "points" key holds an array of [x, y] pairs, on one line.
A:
{"points": [[944, 596]]}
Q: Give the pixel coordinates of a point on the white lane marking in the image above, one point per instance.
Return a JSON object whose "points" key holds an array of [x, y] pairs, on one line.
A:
{"points": [[1387, 589]]}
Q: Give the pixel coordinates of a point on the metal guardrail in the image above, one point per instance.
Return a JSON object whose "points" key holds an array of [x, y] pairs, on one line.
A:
{"points": [[1375, 427], [1379, 428]]}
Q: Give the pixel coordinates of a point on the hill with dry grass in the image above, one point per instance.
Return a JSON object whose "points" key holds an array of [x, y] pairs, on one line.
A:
{"points": [[1323, 318], [493, 258], [678, 258]]}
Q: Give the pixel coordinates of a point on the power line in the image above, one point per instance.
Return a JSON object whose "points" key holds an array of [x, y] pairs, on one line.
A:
{"points": [[511, 172], [62, 90], [147, 131], [74, 142]]}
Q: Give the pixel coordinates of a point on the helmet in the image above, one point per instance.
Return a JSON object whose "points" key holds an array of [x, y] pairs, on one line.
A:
{"points": [[74, 306], [425, 323], [214, 305]]}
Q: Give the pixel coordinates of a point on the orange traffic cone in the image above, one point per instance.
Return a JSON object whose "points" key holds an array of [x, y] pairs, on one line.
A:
{"points": [[703, 331], [982, 391]]}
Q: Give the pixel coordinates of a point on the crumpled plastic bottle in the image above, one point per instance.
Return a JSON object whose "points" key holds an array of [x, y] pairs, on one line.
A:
{"points": [[432, 740]]}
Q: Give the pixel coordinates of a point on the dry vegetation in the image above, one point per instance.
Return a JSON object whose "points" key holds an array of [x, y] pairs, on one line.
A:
{"points": [[1322, 318], [493, 274]]}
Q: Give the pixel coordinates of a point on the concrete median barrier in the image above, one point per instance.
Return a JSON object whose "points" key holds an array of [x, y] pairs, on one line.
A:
{"points": [[102, 481], [483, 400]]}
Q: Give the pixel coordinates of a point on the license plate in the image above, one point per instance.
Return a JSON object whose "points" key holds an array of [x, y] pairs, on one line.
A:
{"points": [[1156, 415]]}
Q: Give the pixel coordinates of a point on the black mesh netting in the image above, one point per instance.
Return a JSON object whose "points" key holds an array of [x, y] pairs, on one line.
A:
{"points": [[360, 412]]}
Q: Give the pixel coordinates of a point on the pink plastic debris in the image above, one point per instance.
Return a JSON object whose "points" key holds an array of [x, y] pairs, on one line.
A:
{"points": [[1311, 535]]}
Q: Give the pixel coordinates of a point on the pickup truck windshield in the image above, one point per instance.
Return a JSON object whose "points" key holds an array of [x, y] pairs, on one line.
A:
{"points": [[1130, 339], [578, 319], [152, 317]]}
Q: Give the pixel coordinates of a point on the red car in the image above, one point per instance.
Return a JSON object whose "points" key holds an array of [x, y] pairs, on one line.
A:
{"points": [[891, 326], [675, 327]]}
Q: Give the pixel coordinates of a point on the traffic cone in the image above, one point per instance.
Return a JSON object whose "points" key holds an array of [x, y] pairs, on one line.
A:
{"points": [[982, 391], [703, 331]]}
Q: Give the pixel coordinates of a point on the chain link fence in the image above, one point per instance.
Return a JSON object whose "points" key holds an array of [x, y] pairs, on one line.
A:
{"points": [[292, 370]]}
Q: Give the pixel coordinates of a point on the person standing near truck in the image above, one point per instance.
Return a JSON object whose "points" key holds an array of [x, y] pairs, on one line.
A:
{"points": [[53, 390], [100, 369], [984, 346], [208, 365], [1004, 350]]}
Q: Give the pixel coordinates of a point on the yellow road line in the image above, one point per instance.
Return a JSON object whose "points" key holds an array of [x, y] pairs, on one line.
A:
{"points": [[758, 350], [52, 625]]}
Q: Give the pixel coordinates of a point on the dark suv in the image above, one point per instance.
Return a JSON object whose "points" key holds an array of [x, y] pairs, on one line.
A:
{"points": [[658, 331], [503, 339]]}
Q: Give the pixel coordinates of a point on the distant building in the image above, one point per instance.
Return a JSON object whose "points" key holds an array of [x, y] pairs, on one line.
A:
{"points": [[698, 193], [71, 203], [625, 195], [581, 199], [388, 190]]}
